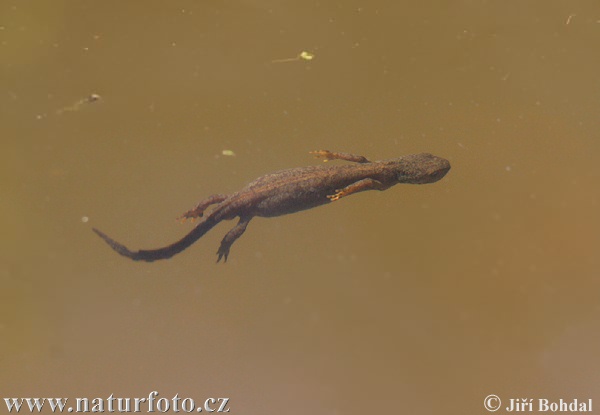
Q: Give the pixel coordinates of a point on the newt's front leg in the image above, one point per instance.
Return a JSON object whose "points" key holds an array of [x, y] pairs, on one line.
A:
{"points": [[327, 155], [231, 237], [359, 186], [199, 209]]}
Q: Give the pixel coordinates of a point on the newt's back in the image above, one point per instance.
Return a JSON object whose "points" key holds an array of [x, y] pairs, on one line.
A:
{"points": [[293, 190]]}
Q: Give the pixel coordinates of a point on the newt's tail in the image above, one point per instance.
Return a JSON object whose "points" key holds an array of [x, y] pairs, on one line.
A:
{"points": [[162, 253]]}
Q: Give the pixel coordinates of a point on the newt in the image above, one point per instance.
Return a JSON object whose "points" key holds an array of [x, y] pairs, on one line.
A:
{"points": [[294, 190]]}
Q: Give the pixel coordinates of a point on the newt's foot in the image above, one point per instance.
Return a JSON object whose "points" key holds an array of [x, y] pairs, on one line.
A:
{"points": [[338, 195], [223, 252], [191, 214], [323, 154]]}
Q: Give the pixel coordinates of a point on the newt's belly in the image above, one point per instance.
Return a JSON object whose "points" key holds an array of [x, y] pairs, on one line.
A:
{"points": [[282, 204]]}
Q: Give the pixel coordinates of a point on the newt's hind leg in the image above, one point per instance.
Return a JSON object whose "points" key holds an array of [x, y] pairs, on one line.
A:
{"points": [[327, 155], [359, 186], [199, 209], [231, 237]]}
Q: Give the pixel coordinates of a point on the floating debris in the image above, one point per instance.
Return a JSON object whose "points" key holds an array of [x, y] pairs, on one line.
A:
{"points": [[307, 56], [304, 55], [570, 18], [90, 99], [229, 153]]}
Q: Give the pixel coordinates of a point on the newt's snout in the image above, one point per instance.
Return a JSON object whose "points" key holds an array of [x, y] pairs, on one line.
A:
{"points": [[422, 168], [440, 168]]}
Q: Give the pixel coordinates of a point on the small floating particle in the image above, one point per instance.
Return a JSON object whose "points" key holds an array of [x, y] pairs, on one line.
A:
{"points": [[229, 153], [569, 18], [304, 55], [93, 98], [85, 219], [307, 56], [77, 106]]}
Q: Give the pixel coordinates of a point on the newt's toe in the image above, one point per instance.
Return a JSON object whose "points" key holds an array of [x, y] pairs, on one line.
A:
{"points": [[323, 154], [190, 215], [222, 254], [338, 195]]}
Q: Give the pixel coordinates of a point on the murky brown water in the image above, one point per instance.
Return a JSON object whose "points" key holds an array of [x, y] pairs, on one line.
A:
{"points": [[420, 299]]}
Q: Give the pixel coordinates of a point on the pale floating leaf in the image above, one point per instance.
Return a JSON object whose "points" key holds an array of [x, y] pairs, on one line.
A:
{"points": [[307, 56]]}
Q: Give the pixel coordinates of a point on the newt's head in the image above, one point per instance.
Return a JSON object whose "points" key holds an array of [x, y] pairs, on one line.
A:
{"points": [[421, 168]]}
